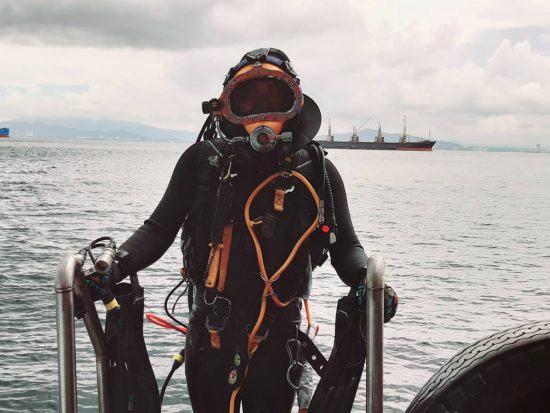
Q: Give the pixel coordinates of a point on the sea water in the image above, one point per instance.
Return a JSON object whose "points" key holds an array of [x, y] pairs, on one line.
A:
{"points": [[465, 237]]}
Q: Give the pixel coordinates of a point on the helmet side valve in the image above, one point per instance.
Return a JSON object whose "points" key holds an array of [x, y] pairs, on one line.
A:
{"points": [[211, 106]]}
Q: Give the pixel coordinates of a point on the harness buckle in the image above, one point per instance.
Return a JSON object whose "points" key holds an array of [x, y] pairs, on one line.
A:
{"points": [[215, 324], [219, 307], [254, 341], [262, 336], [219, 310]]}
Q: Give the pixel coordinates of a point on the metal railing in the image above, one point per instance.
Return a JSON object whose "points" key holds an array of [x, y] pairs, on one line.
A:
{"points": [[72, 295], [375, 334]]}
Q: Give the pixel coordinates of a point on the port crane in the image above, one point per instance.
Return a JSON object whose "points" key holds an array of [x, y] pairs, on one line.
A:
{"points": [[354, 135]]}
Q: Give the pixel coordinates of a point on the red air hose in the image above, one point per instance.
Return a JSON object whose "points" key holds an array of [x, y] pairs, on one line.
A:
{"points": [[159, 321]]}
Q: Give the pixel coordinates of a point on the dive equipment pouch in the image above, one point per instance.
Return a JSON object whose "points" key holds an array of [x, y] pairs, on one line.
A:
{"points": [[131, 380]]}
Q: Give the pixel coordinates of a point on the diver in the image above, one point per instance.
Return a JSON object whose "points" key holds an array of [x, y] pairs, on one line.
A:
{"points": [[259, 207]]}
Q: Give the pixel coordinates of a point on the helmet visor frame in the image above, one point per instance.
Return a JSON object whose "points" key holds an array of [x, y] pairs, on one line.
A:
{"points": [[260, 72]]}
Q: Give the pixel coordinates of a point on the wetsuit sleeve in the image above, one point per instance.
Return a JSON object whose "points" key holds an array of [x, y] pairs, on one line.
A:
{"points": [[346, 254], [158, 232]]}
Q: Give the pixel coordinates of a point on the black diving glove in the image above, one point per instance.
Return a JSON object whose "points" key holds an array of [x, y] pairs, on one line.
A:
{"points": [[391, 300], [100, 285]]}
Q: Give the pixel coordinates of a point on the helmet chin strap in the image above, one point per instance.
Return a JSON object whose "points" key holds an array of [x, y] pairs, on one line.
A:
{"points": [[262, 138]]}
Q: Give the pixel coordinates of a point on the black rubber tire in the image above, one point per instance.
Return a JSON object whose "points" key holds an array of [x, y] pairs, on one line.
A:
{"points": [[508, 372]]}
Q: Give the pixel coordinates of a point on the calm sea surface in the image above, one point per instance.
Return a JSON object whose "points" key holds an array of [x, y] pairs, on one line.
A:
{"points": [[465, 235]]}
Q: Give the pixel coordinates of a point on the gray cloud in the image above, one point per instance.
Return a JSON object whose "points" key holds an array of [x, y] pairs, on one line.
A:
{"points": [[104, 23], [168, 24], [482, 46], [465, 78]]}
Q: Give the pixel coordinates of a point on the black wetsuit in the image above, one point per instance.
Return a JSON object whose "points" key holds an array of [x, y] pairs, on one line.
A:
{"points": [[265, 388]]}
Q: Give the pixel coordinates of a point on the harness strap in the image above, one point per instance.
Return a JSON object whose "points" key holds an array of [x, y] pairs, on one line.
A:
{"points": [[308, 314], [214, 265], [205, 164], [269, 280], [217, 274], [215, 340], [279, 201], [312, 354], [220, 247], [226, 250]]}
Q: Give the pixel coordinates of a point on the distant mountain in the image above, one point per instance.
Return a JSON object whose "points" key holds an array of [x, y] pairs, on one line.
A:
{"points": [[89, 128], [71, 128], [447, 146]]}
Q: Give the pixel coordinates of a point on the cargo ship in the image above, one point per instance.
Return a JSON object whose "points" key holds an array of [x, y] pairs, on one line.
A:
{"points": [[4, 132], [379, 144]]}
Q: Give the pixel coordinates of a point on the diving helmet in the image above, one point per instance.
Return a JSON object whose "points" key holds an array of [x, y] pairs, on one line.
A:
{"points": [[262, 104]]}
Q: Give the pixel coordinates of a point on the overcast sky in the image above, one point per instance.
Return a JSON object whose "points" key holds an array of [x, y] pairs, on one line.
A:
{"points": [[475, 72]]}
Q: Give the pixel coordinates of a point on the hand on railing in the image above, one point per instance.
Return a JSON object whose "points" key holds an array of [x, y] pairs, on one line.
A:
{"points": [[100, 285], [391, 300], [105, 272], [390, 303]]}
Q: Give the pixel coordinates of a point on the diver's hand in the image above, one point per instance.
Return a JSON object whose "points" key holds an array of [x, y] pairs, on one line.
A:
{"points": [[99, 285], [391, 299], [390, 303]]}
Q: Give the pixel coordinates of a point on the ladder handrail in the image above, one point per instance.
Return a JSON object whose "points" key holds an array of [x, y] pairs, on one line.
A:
{"points": [[70, 287], [374, 288]]}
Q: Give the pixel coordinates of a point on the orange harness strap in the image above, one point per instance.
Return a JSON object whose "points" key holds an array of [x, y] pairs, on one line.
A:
{"points": [[253, 342], [214, 267], [253, 339], [227, 236], [215, 340], [279, 201], [308, 313], [219, 260]]}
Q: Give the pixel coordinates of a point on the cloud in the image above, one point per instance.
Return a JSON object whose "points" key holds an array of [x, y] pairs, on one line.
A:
{"points": [[104, 23], [519, 61], [454, 68], [162, 24], [430, 74], [151, 62], [511, 88]]}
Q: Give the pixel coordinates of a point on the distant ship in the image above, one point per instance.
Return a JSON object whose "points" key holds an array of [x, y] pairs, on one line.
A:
{"points": [[4, 132], [378, 144]]}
